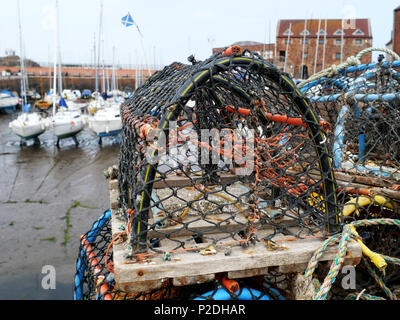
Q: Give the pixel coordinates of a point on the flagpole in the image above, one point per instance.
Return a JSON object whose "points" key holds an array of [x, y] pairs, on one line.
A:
{"points": [[144, 52], [128, 21]]}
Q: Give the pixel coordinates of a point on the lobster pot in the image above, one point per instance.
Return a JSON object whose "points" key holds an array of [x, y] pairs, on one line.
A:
{"points": [[95, 280], [224, 152], [361, 104]]}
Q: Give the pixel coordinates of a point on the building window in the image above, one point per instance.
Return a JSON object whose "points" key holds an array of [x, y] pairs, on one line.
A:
{"points": [[338, 56], [268, 54], [282, 55], [358, 41], [304, 41], [288, 32], [338, 32], [358, 32], [287, 41], [321, 41], [338, 41], [305, 32]]}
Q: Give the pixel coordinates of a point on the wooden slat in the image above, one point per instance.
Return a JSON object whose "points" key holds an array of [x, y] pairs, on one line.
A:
{"points": [[175, 181], [132, 275], [188, 267]]}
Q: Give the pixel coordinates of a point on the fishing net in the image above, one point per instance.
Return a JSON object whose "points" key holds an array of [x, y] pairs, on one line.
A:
{"points": [[228, 153], [220, 154], [361, 103], [218, 150], [95, 281]]}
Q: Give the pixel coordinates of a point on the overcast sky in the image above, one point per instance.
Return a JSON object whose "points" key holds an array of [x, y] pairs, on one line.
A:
{"points": [[172, 29]]}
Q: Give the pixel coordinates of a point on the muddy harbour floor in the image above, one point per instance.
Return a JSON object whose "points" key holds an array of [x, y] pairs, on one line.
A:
{"points": [[49, 197]]}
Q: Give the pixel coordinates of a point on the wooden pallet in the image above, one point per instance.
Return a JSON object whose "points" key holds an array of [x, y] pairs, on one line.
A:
{"points": [[191, 267]]}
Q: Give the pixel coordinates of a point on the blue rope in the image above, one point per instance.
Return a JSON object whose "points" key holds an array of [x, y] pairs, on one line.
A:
{"points": [[81, 262]]}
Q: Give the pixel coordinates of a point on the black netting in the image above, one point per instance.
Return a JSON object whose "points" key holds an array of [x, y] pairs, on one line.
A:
{"points": [[226, 141], [228, 153], [361, 103], [94, 279]]}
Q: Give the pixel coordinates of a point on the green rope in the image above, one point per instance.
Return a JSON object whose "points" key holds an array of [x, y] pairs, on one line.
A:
{"points": [[345, 237], [391, 259], [336, 265], [379, 280], [363, 296]]}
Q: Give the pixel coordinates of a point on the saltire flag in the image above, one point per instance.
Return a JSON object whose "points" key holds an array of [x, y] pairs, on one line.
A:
{"points": [[127, 21]]}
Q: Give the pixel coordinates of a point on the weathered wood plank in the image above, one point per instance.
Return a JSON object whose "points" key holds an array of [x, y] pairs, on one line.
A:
{"points": [[190, 264], [188, 267], [174, 181]]}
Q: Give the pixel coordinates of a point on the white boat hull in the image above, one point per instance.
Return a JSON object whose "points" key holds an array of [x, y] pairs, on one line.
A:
{"points": [[106, 122], [28, 126], [67, 124], [8, 102]]}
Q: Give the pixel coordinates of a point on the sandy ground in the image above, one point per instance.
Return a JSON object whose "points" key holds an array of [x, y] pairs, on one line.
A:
{"points": [[39, 187]]}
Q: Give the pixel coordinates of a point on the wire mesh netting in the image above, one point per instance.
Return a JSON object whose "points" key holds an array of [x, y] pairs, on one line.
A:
{"points": [[228, 141], [362, 104], [95, 281], [228, 152]]}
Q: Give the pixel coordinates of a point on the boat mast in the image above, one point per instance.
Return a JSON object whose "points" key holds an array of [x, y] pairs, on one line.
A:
{"points": [[60, 84], [316, 47], [113, 87], [55, 63], [303, 49], [324, 50], [104, 88], [99, 43], [136, 71], [21, 57], [342, 43], [96, 79], [287, 48]]}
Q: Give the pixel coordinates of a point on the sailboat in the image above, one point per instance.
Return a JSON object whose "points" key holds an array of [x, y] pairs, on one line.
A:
{"points": [[8, 100], [107, 120], [28, 125], [66, 123]]}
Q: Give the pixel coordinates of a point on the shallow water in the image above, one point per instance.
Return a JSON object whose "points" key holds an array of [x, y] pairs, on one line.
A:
{"points": [[39, 224]]}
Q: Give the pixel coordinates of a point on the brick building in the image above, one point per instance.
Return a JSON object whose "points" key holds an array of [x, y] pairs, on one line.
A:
{"points": [[266, 50], [394, 43], [322, 41]]}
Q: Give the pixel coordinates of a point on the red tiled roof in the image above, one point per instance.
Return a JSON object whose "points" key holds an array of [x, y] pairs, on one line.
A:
{"points": [[333, 25]]}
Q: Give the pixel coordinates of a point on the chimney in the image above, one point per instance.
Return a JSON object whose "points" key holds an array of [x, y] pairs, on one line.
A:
{"points": [[396, 30]]}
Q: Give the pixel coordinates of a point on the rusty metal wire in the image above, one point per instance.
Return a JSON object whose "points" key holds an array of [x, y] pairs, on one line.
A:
{"points": [[264, 162]]}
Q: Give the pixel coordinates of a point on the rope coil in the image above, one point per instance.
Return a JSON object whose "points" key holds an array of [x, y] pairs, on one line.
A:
{"points": [[347, 234]]}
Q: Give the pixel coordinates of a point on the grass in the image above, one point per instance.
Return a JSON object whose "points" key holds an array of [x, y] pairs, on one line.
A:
{"points": [[35, 201], [51, 239], [26, 201], [67, 219]]}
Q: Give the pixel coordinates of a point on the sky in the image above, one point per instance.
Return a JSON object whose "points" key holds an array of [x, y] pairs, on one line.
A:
{"points": [[171, 29]]}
